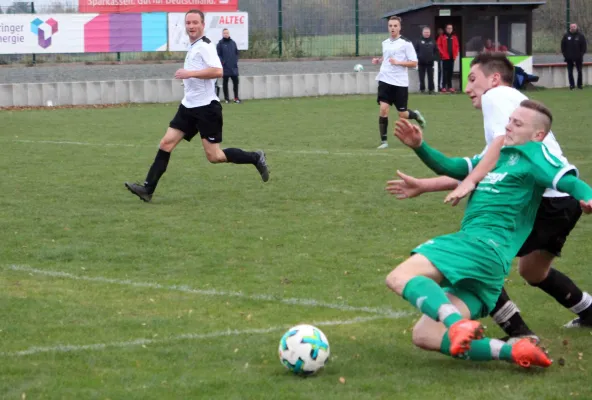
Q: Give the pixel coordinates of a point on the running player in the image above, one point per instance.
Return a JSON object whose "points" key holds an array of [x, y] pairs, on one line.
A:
{"points": [[489, 88], [454, 279], [398, 54], [200, 112]]}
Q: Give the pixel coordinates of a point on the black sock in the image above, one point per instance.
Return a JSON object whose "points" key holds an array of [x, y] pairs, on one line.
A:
{"points": [[238, 156], [412, 114], [382, 126], [507, 316], [158, 168], [565, 291]]}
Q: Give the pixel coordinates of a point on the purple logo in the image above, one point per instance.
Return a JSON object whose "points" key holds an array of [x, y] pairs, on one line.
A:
{"points": [[44, 30]]}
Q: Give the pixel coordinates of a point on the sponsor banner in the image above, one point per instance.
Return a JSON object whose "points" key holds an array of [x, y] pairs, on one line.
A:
{"points": [[236, 22], [139, 6], [82, 33]]}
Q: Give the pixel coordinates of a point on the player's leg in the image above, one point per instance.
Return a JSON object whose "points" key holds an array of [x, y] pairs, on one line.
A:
{"points": [[182, 126], [401, 98], [556, 218], [235, 88], [210, 125], [432, 335], [507, 315], [417, 280], [384, 102]]}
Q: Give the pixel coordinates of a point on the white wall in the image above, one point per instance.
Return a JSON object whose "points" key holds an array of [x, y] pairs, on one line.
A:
{"points": [[251, 87]]}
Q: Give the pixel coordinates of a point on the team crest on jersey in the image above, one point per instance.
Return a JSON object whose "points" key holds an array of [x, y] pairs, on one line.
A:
{"points": [[513, 160]]}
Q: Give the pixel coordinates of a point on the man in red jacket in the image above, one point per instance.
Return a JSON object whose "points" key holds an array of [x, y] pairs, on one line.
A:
{"points": [[448, 47]]}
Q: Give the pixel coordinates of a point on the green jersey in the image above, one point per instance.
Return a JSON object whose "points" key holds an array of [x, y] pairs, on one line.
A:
{"points": [[502, 210], [503, 207]]}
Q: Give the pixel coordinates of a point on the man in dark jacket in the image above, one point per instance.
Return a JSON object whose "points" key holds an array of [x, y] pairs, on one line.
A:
{"points": [[427, 52], [573, 47], [228, 53]]}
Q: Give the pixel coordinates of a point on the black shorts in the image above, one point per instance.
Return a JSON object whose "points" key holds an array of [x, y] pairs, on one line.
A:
{"points": [[207, 120], [555, 219], [391, 94]]}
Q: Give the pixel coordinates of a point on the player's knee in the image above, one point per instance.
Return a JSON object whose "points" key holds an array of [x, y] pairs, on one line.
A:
{"points": [[403, 114], [396, 281], [532, 275], [215, 156], [167, 145], [422, 337]]}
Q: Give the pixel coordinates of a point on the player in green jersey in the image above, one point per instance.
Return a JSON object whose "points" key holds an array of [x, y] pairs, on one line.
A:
{"points": [[455, 279]]}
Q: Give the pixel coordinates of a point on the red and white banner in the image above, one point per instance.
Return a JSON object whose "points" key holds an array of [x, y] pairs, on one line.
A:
{"points": [[144, 6]]}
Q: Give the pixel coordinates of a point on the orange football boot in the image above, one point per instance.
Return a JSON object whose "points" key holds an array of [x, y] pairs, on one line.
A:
{"points": [[526, 353], [461, 334]]}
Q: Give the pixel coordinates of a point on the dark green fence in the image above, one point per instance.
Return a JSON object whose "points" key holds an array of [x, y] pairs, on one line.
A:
{"points": [[313, 28]]}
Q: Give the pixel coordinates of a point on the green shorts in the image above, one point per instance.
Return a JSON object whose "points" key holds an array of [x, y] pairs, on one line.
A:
{"points": [[473, 271]]}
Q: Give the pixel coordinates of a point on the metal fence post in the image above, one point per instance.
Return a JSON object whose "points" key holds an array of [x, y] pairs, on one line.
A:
{"points": [[567, 11], [280, 29], [33, 12], [357, 21]]}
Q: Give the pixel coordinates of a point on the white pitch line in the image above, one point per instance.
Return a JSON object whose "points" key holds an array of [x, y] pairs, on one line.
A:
{"points": [[68, 348], [211, 292], [303, 152]]}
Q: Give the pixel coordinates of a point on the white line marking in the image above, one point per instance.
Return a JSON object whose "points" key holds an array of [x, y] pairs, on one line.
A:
{"points": [[304, 152], [68, 348], [211, 292]]}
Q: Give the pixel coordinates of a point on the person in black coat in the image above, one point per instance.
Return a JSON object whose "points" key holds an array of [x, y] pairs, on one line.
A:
{"points": [[427, 54], [228, 53], [573, 48]]}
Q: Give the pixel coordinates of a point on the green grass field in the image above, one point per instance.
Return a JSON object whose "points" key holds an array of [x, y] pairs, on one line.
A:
{"points": [[105, 297]]}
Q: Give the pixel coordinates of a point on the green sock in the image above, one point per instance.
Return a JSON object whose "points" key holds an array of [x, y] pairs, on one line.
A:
{"points": [[431, 300], [481, 350]]}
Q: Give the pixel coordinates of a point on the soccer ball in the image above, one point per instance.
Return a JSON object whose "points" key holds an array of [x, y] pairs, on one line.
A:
{"points": [[304, 349], [358, 67]]}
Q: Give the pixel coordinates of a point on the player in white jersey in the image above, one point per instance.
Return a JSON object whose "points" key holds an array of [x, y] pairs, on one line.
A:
{"points": [[200, 112], [398, 54], [489, 88]]}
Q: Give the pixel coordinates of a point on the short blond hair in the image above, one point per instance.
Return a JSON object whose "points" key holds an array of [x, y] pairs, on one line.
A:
{"points": [[542, 110]]}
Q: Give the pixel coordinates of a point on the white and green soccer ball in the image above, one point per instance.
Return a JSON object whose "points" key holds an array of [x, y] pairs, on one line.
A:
{"points": [[358, 67], [304, 349]]}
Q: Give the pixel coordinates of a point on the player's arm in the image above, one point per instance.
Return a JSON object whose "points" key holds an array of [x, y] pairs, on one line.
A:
{"points": [[549, 172], [408, 187], [412, 136], [411, 56], [453, 167], [214, 66], [495, 116]]}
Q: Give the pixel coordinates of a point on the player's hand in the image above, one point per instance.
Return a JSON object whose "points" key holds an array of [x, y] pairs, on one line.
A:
{"points": [[460, 192], [393, 61], [375, 60], [408, 133], [182, 74], [586, 206], [404, 188]]}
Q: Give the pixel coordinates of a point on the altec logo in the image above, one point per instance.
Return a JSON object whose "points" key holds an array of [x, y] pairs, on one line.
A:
{"points": [[44, 30]]}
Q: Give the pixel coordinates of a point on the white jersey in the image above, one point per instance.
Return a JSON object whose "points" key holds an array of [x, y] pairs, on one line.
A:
{"points": [[497, 105], [399, 49], [201, 54]]}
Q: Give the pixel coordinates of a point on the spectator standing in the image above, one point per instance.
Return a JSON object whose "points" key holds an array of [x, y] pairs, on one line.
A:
{"points": [[427, 52], [448, 47], [573, 48], [228, 53]]}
